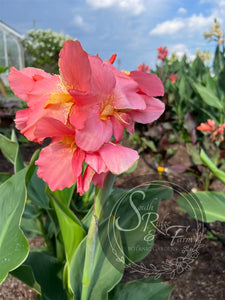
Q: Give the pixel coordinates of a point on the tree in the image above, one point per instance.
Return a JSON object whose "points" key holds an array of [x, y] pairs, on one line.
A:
{"points": [[42, 49]]}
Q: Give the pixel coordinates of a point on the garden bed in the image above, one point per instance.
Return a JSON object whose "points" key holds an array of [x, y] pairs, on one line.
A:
{"points": [[204, 280]]}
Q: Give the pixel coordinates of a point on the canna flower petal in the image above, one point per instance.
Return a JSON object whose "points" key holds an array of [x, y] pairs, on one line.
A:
{"points": [[98, 179], [95, 161], [26, 120], [55, 166], [148, 83], [118, 126], [81, 110], [125, 93], [123, 158], [78, 116], [84, 181], [102, 77], [49, 127], [74, 67], [78, 158], [24, 82], [154, 109], [95, 133]]}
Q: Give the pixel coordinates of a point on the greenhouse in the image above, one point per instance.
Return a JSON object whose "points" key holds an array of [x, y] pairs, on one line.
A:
{"points": [[11, 49]]}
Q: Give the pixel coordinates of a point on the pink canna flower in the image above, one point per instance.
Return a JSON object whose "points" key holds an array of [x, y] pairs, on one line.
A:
{"points": [[35, 87], [162, 53], [173, 77], [67, 165], [82, 110], [147, 86]]}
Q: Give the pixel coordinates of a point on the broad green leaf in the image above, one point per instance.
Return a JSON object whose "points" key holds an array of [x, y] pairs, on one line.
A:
{"points": [[4, 177], [182, 87], [18, 163], [212, 167], [47, 272], [31, 167], [10, 149], [221, 79], [150, 144], [131, 168], [209, 114], [71, 229], [204, 206], [105, 275], [3, 69], [31, 227], [26, 275], [208, 96], [87, 218], [36, 191], [217, 62], [210, 82], [65, 195], [36, 186], [193, 151], [147, 289], [198, 66], [134, 215], [72, 232], [14, 247]]}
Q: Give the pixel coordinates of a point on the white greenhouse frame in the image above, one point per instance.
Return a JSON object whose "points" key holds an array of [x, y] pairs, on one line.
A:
{"points": [[16, 37]]}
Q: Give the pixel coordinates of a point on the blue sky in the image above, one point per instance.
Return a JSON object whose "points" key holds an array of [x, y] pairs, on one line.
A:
{"points": [[133, 29]]}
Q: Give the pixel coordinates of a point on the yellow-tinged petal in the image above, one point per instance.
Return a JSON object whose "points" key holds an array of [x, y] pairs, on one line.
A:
{"points": [[69, 141], [126, 72], [58, 98], [107, 111]]}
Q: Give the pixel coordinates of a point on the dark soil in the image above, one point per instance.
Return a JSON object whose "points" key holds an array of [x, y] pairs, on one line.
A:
{"points": [[201, 278]]}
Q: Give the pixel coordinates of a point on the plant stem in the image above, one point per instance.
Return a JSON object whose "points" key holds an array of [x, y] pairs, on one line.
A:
{"points": [[206, 188], [89, 257], [92, 237], [103, 194], [221, 117]]}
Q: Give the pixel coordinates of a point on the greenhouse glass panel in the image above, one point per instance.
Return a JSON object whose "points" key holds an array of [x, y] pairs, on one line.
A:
{"points": [[13, 52], [2, 50]]}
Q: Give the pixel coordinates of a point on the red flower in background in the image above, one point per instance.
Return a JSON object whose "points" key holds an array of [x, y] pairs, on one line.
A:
{"points": [[173, 77], [210, 126], [143, 68], [162, 53], [215, 130]]}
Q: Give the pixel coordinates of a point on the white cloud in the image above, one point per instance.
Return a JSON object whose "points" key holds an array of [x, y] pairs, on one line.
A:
{"points": [[182, 11], [134, 6], [199, 23], [168, 27], [78, 21], [193, 24], [219, 10], [180, 50]]}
